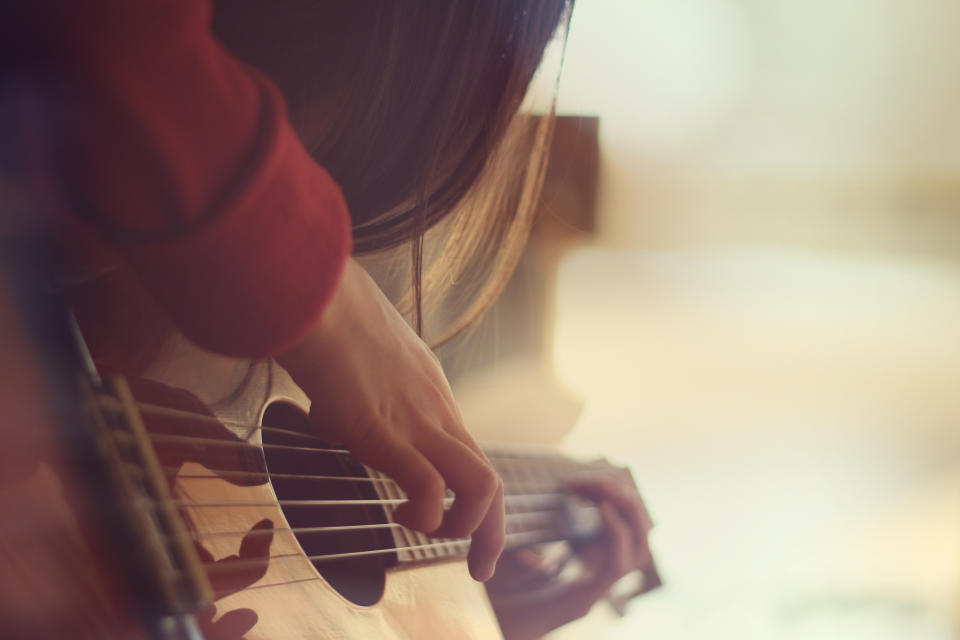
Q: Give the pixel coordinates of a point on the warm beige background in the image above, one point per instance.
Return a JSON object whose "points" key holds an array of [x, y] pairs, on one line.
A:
{"points": [[767, 325]]}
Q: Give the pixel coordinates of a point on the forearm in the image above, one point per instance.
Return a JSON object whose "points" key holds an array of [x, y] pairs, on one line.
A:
{"points": [[181, 158]]}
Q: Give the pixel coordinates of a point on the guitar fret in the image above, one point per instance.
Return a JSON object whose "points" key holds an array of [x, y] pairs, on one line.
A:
{"points": [[391, 491]]}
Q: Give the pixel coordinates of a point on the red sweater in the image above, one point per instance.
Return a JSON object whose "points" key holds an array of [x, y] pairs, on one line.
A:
{"points": [[183, 160]]}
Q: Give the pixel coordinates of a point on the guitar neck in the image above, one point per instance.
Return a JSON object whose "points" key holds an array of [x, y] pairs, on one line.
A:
{"points": [[538, 509]]}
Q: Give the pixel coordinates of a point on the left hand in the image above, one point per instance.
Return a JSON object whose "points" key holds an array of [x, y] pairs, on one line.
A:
{"points": [[547, 603]]}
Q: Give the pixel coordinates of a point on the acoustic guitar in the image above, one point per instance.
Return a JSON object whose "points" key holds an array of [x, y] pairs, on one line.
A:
{"points": [[196, 502]]}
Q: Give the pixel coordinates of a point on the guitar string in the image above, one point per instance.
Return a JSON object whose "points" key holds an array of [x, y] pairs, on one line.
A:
{"points": [[274, 585], [240, 444], [530, 451], [551, 531], [550, 498], [239, 564], [321, 503], [237, 444], [440, 545], [155, 409], [213, 442], [513, 514], [512, 519], [296, 530], [501, 458], [159, 410], [514, 539], [554, 497], [219, 474], [519, 515], [445, 544]]}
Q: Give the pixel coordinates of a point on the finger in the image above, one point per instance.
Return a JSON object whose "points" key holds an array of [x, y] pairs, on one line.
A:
{"points": [[619, 539], [643, 557], [528, 559], [627, 501], [472, 479], [519, 571], [535, 613], [617, 491], [488, 540], [478, 507], [575, 600], [413, 473], [479, 485], [638, 546]]}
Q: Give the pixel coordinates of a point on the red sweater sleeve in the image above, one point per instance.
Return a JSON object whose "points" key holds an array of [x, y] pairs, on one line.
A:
{"points": [[184, 159]]}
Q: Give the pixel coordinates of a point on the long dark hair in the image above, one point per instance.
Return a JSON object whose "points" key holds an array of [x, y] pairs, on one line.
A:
{"points": [[409, 105]]}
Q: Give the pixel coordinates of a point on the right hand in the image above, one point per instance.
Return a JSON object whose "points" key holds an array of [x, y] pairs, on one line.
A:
{"points": [[378, 389]]}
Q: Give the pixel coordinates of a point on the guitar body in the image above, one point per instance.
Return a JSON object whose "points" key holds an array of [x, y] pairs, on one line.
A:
{"points": [[238, 520], [291, 600], [63, 573]]}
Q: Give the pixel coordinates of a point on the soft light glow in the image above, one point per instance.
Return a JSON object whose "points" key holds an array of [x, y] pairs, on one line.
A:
{"points": [[791, 421], [659, 74]]}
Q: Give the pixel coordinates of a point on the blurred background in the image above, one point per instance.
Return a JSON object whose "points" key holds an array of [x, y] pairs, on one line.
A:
{"points": [[745, 285]]}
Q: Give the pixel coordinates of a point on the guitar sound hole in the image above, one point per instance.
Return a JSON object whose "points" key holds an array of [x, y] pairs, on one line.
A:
{"points": [[328, 530]]}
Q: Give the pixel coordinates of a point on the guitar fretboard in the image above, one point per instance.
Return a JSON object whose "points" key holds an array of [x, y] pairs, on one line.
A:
{"points": [[538, 509]]}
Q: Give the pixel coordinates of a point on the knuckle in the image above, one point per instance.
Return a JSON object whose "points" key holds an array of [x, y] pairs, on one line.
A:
{"points": [[488, 482], [432, 486], [436, 396]]}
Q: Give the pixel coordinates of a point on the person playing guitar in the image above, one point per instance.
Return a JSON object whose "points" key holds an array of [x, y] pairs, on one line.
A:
{"points": [[219, 162]]}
